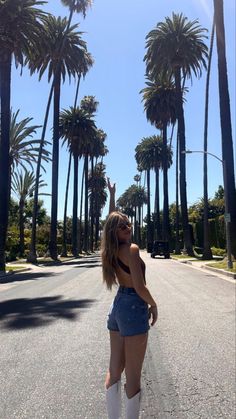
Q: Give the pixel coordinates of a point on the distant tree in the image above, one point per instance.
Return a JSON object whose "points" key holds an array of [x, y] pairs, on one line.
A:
{"points": [[219, 194], [78, 6], [134, 197], [23, 187], [97, 195], [77, 128]]}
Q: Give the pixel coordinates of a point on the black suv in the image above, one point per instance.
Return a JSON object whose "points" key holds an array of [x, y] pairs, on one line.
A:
{"points": [[161, 248]]}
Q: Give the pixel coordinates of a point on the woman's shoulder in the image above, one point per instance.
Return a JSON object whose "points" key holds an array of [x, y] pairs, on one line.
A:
{"points": [[129, 248], [134, 249]]}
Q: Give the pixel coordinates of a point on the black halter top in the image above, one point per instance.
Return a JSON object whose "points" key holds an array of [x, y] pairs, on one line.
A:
{"points": [[126, 268]]}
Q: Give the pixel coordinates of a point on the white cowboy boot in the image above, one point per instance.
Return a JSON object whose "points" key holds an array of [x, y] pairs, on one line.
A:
{"points": [[113, 398], [133, 406]]}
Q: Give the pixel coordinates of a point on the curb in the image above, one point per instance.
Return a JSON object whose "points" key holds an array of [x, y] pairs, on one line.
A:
{"points": [[210, 268], [221, 271]]}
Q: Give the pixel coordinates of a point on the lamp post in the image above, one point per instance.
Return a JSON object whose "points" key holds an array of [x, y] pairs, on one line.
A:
{"points": [[226, 215]]}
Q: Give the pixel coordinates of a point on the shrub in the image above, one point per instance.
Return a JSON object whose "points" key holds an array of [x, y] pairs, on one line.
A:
{"points": [[216, 251], [41, 249]]}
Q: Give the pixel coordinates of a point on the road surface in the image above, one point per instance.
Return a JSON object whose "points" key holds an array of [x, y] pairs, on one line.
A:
{"points": [[54, 347]]}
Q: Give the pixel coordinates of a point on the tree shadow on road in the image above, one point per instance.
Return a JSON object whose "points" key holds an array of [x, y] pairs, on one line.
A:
{"points": [[83, 262], [24, 276], [98, 265], [26, 313]]}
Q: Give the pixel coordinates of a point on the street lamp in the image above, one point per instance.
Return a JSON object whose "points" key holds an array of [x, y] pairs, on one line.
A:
{"points": [[227, 214]]}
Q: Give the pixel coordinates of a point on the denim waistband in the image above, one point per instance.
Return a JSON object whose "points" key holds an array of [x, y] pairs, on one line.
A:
{"points": [[126, 290]]}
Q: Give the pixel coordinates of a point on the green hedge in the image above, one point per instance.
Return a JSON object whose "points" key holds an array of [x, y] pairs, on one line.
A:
{"points": [[216, 233]]}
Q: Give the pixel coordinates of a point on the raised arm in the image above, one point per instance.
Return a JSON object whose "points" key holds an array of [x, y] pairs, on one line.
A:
{"points": [[112, 191]]}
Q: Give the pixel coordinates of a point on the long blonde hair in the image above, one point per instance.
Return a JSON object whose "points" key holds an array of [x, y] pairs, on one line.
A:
{"points": [[110, 247]]}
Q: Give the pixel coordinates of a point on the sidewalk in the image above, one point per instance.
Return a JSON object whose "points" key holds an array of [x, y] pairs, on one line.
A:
{"points": [[203, 264], [26, 266]]}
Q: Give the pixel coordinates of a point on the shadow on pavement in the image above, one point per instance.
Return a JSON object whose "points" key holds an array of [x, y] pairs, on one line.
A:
{"points": [[82, 262], [98, 265], [24, 276], [26, 313]]}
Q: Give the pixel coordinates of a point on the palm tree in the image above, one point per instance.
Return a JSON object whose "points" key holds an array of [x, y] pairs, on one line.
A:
{"points": [[23, 185], [124, 205], [64, 234], [144, 159], [23, 148], [74, 6], [138, 198], [159, 99], [225, 119], [78, 6], [176, 48], [76, 127], [73, 58], [97, 182], [133, 198], [20, 23], [137, 179], [149, 153], [88, 104], [98, 150], [207, 254]]}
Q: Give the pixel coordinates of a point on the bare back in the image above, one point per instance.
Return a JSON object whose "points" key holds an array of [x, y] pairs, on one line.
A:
{"points": [[124, 278]]}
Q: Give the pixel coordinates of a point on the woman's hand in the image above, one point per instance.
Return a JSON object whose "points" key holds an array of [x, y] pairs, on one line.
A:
{"points": [[153, 314]]}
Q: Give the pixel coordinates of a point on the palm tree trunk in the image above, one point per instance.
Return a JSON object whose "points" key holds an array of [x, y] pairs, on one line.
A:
{"points": [[183, 188], [177, 243], [32, 257], [55, 165], [96, 231], [92, 210], [149, 238], [166, 221], [207, 254], [75, 210], [139, 224], [21, 225], [81, 212], [225, 119], [86, 227], [5, 92], [64, 234], [157, 222], [135, 225]]}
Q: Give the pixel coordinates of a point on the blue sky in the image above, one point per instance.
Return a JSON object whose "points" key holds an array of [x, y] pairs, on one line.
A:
{"points": [[115, 33]]}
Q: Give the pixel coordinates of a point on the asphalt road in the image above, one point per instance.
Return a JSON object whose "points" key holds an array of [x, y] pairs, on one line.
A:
{"points": [[54, 347]]}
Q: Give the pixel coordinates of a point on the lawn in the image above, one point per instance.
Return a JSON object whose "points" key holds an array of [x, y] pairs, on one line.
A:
{"points": [[222, 265]]}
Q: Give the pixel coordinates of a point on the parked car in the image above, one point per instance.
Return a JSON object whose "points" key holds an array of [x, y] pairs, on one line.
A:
{"points": [[161, 248]]}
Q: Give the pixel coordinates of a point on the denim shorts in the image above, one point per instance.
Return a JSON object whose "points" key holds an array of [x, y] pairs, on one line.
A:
{"points": [[128, 313]]}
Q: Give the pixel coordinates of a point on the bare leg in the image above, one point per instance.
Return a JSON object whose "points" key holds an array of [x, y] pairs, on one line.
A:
{"points": [[117, 359], [135, 348]]}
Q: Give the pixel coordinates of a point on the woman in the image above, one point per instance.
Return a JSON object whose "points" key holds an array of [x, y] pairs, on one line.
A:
{"points": [[128, 318]]}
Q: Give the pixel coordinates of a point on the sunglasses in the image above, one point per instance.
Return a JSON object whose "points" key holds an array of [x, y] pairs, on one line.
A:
{"points": [[124, 225]]}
